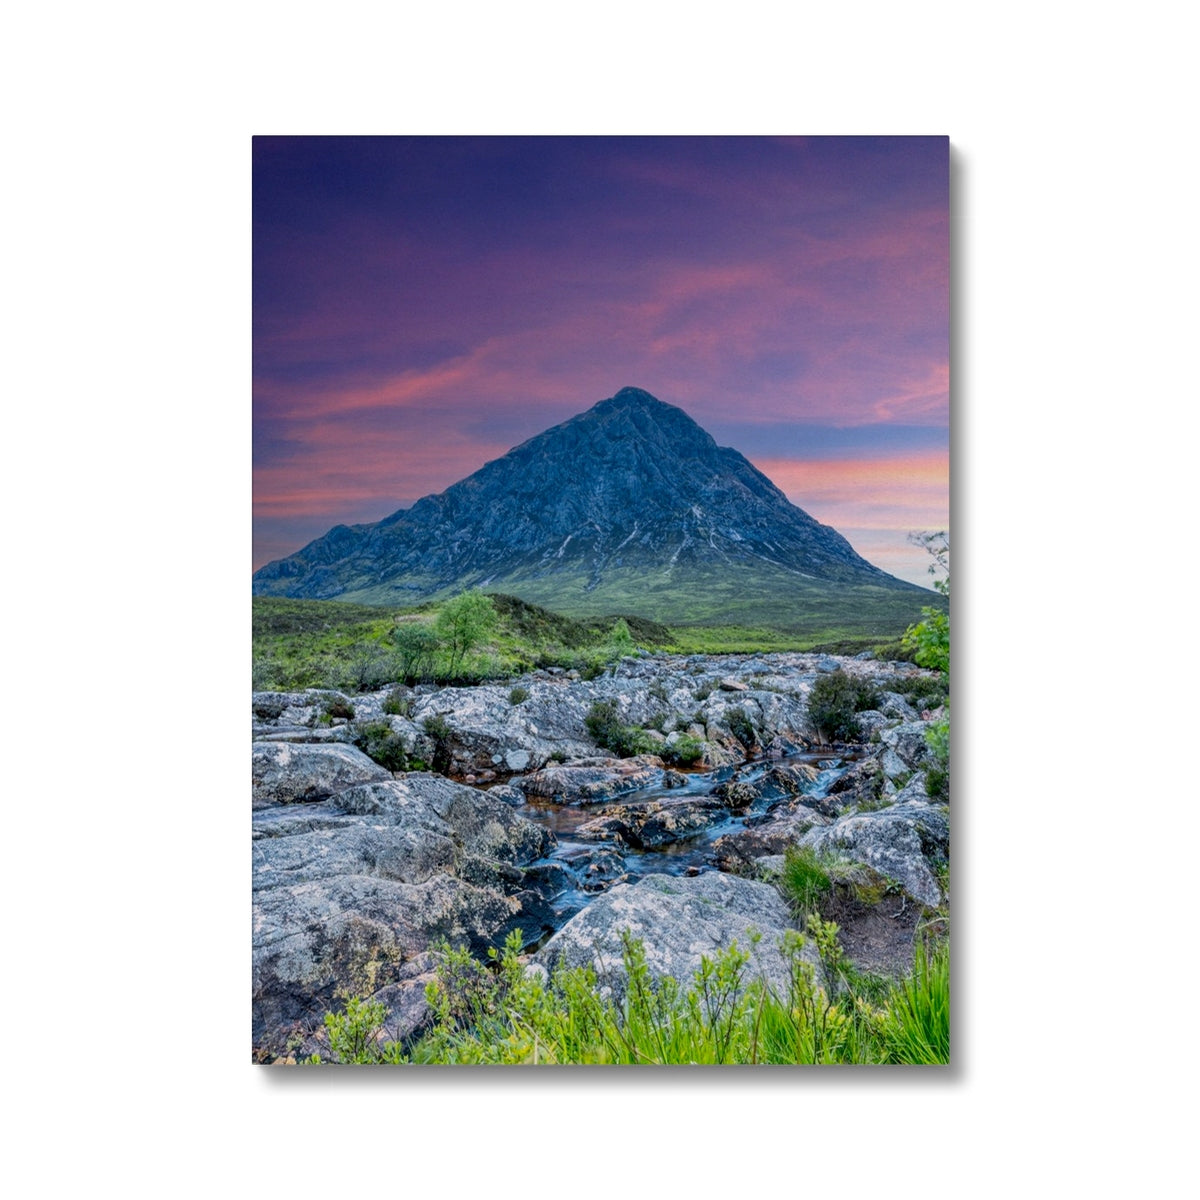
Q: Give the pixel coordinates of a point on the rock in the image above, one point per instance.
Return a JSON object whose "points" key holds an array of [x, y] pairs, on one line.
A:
{"points": [[871, 722], [905, 842], [908, 742], [783, 747], [770, 835], [508, 794], [286, 773], [861, 785], [345, 932], [679, 921], [654, 823], [729, 684], [597, 869], [345, 903], [593, 780], [894, 705]]}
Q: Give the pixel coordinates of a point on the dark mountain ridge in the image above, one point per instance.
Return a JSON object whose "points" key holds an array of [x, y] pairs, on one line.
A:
{"points": [[630, 501]]}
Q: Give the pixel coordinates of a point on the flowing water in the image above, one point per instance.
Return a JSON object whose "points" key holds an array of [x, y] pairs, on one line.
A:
{"points": [[577, 870]]}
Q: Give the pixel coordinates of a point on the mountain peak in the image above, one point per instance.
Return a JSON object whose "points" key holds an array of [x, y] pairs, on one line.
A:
{"points": [[629, 506], [629, 396]]}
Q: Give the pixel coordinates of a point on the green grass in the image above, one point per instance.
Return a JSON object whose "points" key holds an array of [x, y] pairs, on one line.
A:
{"points": [[332, 644], [499, 1014], [754, 595]]}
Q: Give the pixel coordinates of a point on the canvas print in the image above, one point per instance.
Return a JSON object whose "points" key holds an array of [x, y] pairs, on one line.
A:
{"points": [[601, 594]]}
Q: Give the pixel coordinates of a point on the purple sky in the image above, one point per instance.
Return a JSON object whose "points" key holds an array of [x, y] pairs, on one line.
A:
{"points": [[422, 305]]}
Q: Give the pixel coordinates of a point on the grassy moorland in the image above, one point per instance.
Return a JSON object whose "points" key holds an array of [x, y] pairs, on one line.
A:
{"points": [[328, 643]]}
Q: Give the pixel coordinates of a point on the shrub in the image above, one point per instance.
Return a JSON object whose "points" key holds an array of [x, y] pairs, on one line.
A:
{"points": [[439, 731], [606, 728], [397, 704], [380, 743], [937, 775], [354, 1035], [416, 645], [620, 641], [929, 641], [370, 666], [742, 727], [835, 700], [921, 691], [685, 751], [518, 696], [337, 706], [503, 1015]]}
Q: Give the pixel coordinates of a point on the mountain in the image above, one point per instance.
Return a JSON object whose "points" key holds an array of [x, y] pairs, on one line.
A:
{"points": [[628, 507]]}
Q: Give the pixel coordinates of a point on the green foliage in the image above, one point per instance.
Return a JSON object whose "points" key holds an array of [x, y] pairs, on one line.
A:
{"points": [[620, 641], [380, 743], [683, 752], [495, 1012], [834, 701], [518, 696], [397, 704], [370, 666], [805, 879], [929, 641], [921, 691], [917, 1024], [416, 650], [607, 729], [937, 774], [462, 623], [337, 706], [328, 644], [438, 729], [498, 1013], [354, 1035], [742, 727]]}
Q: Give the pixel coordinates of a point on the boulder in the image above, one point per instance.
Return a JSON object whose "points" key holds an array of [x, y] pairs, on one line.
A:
{"points": [[288, 773], [653, 823], [905, 842], [679, 921], [908, 743], [376, 874], [592, 780], [769, 835]]}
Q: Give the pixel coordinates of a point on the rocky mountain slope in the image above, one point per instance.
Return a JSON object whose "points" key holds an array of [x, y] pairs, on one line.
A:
{"points": [[630, 506]]}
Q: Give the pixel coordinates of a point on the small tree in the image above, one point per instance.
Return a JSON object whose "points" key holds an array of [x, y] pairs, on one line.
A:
{"points": [[620, 641], [416, 644], [929, 640], [462, 623]]}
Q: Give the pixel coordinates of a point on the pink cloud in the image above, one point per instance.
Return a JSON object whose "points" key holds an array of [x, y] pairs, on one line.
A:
{"points": [[901, 494]]}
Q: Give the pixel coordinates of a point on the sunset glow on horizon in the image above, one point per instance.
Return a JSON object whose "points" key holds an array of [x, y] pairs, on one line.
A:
{"points": [[423, 305]]}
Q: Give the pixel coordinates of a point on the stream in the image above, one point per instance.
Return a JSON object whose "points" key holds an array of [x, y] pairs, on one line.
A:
{"points": [[578, 870]]}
